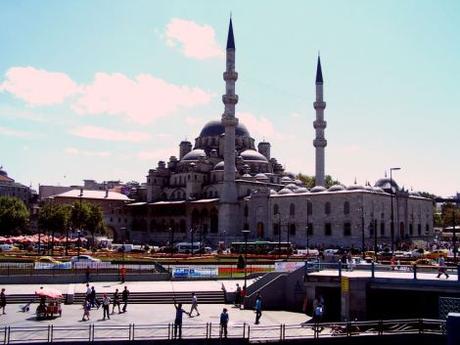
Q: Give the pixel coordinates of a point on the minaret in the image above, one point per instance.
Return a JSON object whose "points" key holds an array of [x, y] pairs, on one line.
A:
{"points": [[319, 124], [228, 210]]}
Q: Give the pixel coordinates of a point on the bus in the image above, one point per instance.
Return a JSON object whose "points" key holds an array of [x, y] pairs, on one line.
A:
{"points": [[261, 247]]}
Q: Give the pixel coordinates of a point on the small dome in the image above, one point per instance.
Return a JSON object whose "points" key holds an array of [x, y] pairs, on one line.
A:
{"points": [[246, 176], [262, 177], [252, 155], [387, 185], [194, 155], [273, 192], [220, 166], [285, 191], [286, 180], [318, 189], [355, 187], [336, 188], [298, 182], [378, 189], [414, 193], [301, 190], [291, 186], [215, 128]]}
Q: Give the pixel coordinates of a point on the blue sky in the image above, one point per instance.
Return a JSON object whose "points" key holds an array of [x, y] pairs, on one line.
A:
{"points": [[105, 89]]}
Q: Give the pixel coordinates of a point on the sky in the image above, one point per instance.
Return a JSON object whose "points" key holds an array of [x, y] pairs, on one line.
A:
{"points": [[105, 89]]}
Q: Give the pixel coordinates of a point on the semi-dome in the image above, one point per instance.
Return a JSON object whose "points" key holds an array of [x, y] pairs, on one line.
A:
{"points": [[317, 189], [215, 128], [336, 188], [388, 185], [194, 155], [253, 155]]}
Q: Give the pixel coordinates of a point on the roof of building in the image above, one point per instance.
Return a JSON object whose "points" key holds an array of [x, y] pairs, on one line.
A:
{"points": [[92, 194], [215, 128]]}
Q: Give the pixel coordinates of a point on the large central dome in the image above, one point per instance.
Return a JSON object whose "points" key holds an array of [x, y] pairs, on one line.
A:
{"points": [[215, 128]]}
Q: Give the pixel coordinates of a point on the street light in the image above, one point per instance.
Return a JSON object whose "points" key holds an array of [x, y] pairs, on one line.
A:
{"points": [[79, 242], [171, 245], [307, 227], [245, 234], [191, 233], [392, 227]]}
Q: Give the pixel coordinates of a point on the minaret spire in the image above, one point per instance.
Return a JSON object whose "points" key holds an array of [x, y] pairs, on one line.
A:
{"points": [[228, 210], [320, 125]]}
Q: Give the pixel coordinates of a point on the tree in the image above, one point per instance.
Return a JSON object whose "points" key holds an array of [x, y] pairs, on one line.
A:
{"points": [[54, 218], [95, 221], [448, 210], [309, 181], [14, 215], [79, 215]]}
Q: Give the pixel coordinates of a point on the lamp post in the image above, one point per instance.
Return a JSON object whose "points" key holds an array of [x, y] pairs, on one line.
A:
{"points": [[392, 227], [307, 227], [375, 236], [191, 233], [78, 242], [245, 234], [171, 244]]}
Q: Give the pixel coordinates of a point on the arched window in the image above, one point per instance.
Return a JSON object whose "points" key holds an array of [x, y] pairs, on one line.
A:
{"points": [[276, 229], [347, 229], [346, 207], [276, 209], [309, 208], [246, 211], [292, 209], [327, 208], [292, 229]]}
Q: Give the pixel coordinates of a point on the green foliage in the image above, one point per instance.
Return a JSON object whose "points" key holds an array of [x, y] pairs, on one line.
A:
{"points": [[95, 220], [54, 217], [309, 181], [79, 215], [448, 212], [14, 215]]}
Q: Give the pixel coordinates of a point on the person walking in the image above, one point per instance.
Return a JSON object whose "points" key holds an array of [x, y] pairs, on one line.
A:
{"points": [[124, 298], [258, 308], [86, 310], [93, 298], [242, 296], [123, 274], [88, 292], [116, 301], [106, 306], [238, 296], [442, 268], [223, 323], [178, 320], [3, 301], [194, 305]]}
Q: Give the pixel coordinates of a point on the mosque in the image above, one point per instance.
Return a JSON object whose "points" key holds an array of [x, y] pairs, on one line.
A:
{"points": [[224, 183]]}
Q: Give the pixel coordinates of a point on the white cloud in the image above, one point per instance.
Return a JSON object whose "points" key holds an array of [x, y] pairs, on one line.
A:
{"points": [[195, 41], [76, 152], [14, 132], [259, 126], [37, 86], [157, 155], [142, 99], [93, 132]]}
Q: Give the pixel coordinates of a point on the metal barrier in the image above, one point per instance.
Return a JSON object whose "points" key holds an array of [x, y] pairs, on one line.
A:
{"points": [[131, 332], [375, 270]]}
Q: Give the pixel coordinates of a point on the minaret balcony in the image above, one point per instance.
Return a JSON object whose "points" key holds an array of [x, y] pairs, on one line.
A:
{"points": [[319, 105], [320, 142], [230, 99], [230, 75], [319, 124]]}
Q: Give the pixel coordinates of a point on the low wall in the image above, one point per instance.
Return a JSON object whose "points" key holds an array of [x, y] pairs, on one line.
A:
{"points": [[79, 278]]}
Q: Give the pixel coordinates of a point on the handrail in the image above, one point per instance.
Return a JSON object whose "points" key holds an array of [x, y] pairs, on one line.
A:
{"points": [[275, 332]]}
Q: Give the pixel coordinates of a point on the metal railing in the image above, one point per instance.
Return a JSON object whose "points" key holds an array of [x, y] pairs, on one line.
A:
{"points": [[377, 270], [281, 332]]}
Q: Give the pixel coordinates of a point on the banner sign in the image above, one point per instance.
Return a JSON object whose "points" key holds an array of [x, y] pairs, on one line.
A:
{"points": [[195, 272], [288, 266]]}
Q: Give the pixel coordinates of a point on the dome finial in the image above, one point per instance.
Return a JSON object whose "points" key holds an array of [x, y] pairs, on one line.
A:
{"points": [[356, 181]]}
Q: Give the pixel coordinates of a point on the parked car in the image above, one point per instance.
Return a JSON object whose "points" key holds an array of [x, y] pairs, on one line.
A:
{"points": [[84, 258]]}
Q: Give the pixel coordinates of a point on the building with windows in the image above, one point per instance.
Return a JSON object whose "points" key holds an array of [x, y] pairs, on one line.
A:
{"points": [[223, 183], [9, 187]]}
